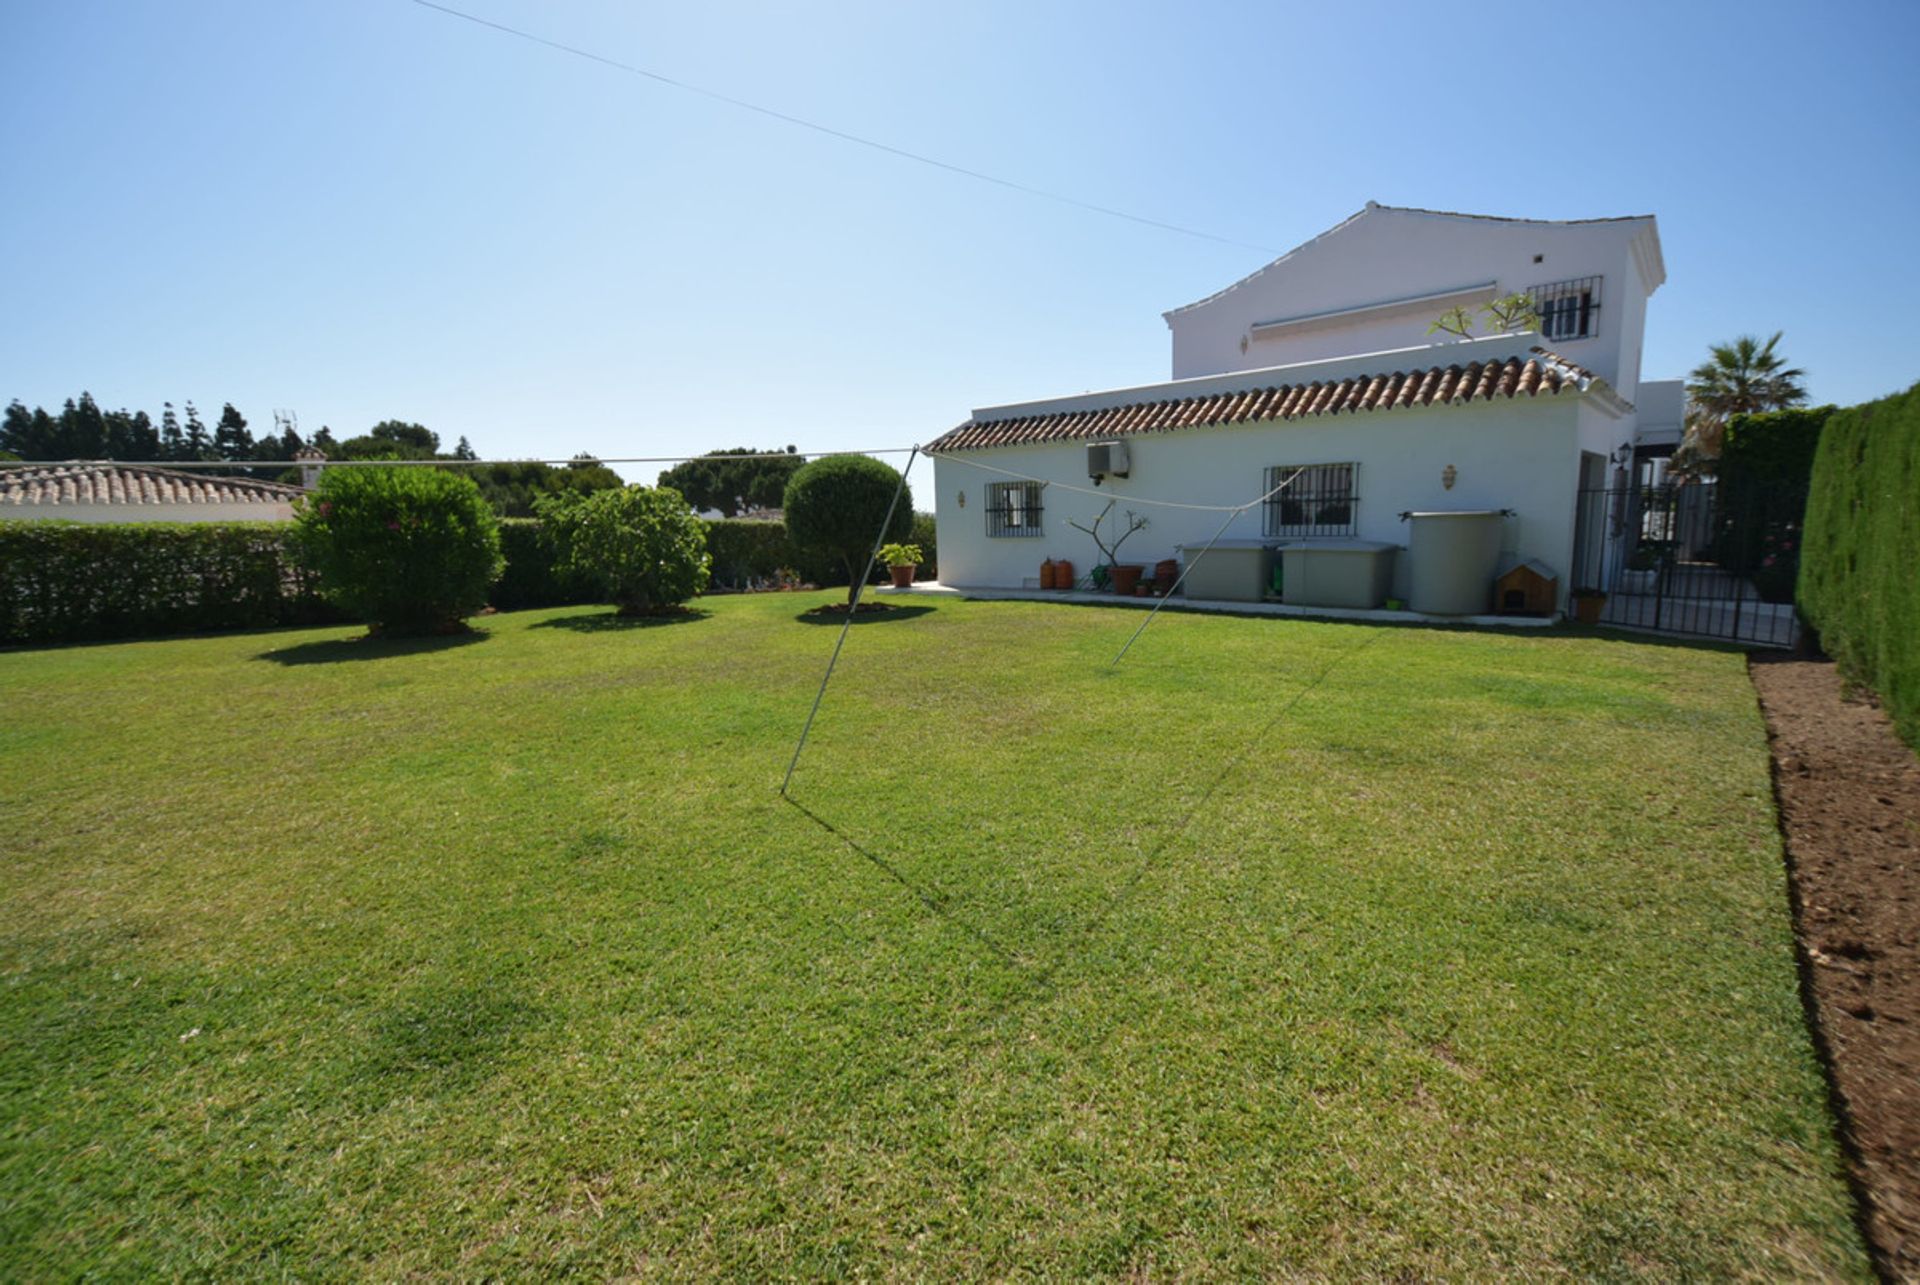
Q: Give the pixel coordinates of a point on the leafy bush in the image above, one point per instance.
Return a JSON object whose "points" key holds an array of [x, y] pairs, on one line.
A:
{"points": [[641, 544], [1857, 585], [408, 550], [532, 578], [1772, 446], [926, 535], [900, 555], [74, 582], [836, 505]]}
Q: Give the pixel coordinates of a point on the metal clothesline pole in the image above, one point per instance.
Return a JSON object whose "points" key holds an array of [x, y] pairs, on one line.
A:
{"points": [[853, 608]]}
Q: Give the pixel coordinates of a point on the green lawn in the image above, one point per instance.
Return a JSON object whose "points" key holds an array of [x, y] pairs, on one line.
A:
{"points": [[1283, 948]]}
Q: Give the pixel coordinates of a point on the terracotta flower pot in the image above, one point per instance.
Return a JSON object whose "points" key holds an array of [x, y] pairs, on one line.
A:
{"points": [[902, 576], [1587, 609], [1165, 572], [1126, 577], [1063, 575], [1046, 574]]}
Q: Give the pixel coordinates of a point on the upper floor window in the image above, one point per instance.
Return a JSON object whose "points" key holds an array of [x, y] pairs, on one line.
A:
{"points": [[1568, 309], [1013, 508], [1318, 499]]}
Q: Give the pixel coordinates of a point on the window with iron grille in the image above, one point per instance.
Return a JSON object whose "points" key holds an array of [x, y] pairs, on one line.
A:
{"points": [[1013, 508], [1318, 499], [1568, 309]]}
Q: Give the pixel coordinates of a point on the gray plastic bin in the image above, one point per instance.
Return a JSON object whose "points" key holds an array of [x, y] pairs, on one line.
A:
{"points": [[1227, 570], [1336, 573], [1452, 556]]}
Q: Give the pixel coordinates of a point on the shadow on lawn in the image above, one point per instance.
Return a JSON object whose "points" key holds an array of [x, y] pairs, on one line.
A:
{"points": [[612, 621], [367, 648], [931, 901], [814, 616]]}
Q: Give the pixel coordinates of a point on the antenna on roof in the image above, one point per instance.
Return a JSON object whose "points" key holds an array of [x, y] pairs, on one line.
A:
{"points": [[284, 422]]}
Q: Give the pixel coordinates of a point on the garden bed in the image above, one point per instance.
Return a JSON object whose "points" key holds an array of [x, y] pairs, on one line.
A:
{"points": [[1849, 796]]}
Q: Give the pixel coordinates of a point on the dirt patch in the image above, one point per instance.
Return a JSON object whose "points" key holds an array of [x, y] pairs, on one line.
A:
{"points": [[1849, 796]]}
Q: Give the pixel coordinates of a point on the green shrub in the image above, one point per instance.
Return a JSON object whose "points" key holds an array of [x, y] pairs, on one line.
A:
{"points": [[900, 555], [925, 534], [836, 505], [532, 578], [643, 545], [408, 550], [1776, 446], [1858, 585], [78, 582]]}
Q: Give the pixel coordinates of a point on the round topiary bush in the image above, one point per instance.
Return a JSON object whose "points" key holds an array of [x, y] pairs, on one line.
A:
{"points": [[836, 505], [643, 545], [408, 550]]}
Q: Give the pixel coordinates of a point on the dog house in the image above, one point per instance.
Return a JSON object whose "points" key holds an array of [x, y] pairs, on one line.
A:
{"points": [[1527, 588]]}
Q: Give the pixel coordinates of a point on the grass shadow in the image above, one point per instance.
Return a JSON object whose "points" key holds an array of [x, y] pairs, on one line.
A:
{"points": [[366, 647], [613, 621], [931, 900], [836, 619]]}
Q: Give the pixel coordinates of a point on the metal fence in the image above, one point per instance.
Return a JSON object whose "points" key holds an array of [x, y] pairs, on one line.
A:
{"points": [[1703, 559]]}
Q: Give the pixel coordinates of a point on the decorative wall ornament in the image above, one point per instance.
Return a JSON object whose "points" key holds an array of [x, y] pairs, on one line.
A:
{"points": [[963, 499], [1448, 476]]}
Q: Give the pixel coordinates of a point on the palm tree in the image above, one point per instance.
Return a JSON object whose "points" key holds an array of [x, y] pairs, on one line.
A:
{"points": [[1743, 376]]}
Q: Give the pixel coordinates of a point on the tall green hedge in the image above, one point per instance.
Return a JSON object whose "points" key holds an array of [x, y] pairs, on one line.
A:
{"points": [[532, 579], [74, 582], [77, 582], [1859, 587]]}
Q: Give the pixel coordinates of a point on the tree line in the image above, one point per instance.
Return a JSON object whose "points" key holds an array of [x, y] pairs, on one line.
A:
{"points": [[82, 430]]}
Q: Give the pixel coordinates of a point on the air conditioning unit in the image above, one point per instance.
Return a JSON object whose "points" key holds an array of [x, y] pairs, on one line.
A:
{"points": [[1107, 459]]}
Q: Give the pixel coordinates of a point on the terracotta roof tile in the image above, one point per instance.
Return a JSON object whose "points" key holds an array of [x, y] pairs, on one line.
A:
{"points": [[1543, 372], [49, 486]]}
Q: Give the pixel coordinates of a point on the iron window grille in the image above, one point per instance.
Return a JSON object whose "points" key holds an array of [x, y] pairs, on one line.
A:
{"points": [[1319, 499], [1013, 508], [1568, 309]]}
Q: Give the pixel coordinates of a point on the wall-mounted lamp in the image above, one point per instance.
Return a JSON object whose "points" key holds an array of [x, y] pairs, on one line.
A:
{"points": [[963, 499], [1448, 476]]}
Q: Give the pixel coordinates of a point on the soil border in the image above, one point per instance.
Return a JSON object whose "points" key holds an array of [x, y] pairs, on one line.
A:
{"points": [[1847, 794]]}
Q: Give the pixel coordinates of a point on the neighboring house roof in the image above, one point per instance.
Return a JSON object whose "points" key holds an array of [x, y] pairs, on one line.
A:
{"points": [[1544, 372], [67, 484], [1647, 244]]}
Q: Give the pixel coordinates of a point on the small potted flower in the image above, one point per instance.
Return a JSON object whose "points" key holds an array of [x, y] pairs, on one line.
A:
{"points": [[902, 561], [1588, 603]]}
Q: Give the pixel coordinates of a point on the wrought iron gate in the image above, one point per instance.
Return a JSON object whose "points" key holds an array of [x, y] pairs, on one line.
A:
{"points": [[1701, 558]]}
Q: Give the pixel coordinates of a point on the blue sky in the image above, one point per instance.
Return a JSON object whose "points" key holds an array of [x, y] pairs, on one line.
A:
{"points": [[363, 209]]}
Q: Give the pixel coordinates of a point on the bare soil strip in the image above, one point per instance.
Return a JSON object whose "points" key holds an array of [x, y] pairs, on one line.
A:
{"points": [[1849, 796]]}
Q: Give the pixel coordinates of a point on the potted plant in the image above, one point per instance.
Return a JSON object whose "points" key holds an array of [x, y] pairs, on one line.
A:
{"points": [[1124, 576], [902, 561], [1642, 569], [1588, 603]]}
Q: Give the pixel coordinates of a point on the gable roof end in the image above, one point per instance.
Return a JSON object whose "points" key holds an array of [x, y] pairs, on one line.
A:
{"points": [[1646, 245]]}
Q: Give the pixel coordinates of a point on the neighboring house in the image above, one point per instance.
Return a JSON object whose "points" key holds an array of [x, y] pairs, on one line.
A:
{"points": [[1320, 367], [139, 493]]}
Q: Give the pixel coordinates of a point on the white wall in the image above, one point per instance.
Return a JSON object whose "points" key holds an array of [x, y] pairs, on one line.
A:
{"points": [[1386, 254], [1521, 454]]}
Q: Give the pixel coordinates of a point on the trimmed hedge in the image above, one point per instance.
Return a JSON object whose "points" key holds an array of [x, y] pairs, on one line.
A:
{"points": [[75, 582], [532, 578], [1858, 584], [78, 582]]}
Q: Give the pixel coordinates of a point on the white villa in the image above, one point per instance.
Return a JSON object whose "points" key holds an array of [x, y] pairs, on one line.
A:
{"points": [[1319, 370]]}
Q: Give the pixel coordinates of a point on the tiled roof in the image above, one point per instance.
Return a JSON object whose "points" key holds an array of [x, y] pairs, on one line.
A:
{"points": [[1544, 372], [49, 486]]}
